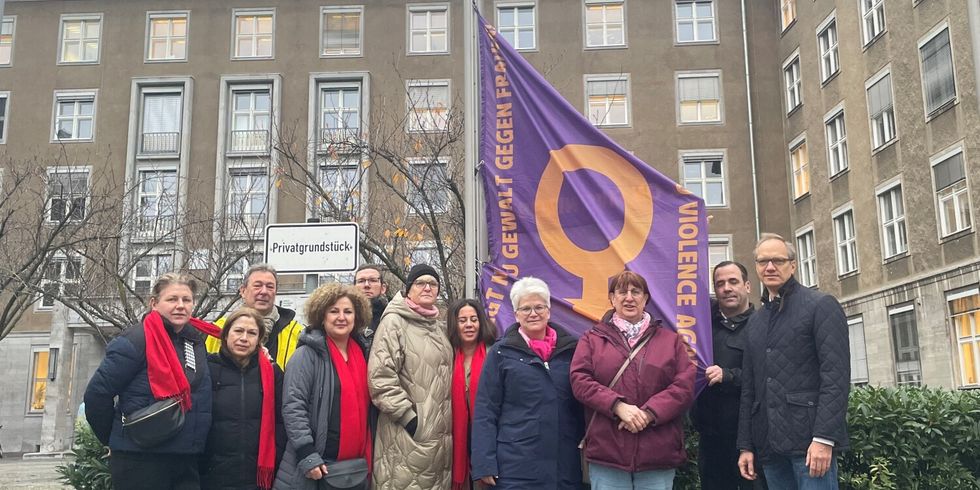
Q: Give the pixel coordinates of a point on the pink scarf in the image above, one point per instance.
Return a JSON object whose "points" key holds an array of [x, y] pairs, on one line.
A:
{"points": [[631, 331], [542, 348], [421, 310]]}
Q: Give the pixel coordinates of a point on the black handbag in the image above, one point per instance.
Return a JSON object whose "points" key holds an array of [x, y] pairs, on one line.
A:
{"points": [[346, 474], [153, 425]]}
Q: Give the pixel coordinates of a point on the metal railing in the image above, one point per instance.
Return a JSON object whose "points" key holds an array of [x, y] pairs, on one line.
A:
{"points": [[249, 141], [160, 143], [153, 227]]}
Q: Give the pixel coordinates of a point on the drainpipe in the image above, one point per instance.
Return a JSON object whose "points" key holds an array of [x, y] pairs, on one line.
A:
{"points": [[748, 99]]}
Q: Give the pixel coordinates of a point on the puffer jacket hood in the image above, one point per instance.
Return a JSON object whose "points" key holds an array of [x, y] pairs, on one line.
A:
{"points": [[314, 339]]}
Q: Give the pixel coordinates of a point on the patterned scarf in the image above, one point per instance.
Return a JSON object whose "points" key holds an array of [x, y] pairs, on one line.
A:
{"points": [[631, 331]]}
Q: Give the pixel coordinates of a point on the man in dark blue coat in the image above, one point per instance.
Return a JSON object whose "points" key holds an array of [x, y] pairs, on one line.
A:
{"points": [[796, 372]]}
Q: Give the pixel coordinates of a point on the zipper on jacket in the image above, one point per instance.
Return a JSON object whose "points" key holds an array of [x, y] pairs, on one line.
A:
{"points": [[546, 366], [241, 431]]}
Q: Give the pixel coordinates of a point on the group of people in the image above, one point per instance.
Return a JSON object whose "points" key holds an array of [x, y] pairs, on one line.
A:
{"points": [[386, 394]]}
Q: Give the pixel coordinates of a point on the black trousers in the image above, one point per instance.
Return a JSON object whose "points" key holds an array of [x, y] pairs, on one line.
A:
{"points": [[718, 465], [150, 471]]}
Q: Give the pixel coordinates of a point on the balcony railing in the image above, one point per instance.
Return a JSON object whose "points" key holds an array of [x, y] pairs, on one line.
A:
{"points": [[160, 143], [153, 227], [247, 225], [338, 140], [249, 141]]}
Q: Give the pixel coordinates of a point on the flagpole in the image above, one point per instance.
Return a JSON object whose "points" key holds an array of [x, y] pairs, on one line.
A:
{"points": [[475, 228]]}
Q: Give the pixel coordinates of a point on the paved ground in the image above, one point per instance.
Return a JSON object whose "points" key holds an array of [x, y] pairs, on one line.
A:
{"points": [[19, 474]]}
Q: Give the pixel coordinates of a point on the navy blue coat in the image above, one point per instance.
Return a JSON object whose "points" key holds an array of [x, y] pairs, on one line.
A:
{"points": [[123, 373], [796, 374], [526, 423]]}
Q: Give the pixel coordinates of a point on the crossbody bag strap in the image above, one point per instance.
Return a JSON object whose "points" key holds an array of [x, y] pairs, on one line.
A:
{"points": [[619, 374]]}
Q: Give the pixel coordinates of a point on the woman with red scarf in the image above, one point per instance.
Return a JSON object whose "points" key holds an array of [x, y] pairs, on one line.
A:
{"points": [[325, 393], [247, 437], [469, 333]]}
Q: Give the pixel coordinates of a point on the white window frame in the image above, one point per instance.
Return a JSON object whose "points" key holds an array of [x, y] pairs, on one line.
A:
{"points": [[717, 75], [702, 156], [617, 78], [421, 117], [32, 379], [875, 17], [959, 197], [169, 38], [71, 170], [845, 247], [605, 25], [695, 20], [960, 341], [235, 275], [835, 121], [784, 7], [829, 52], [342, 9], [4, 116], [918, 345], [62, 280], [261, 12], [809, 275], [793, 82], [851, 322], [84, 18], [242, 224], [252, 88], [156, 270], [327, 136], [517, 28], [932, 34], [151, 91], [74, 95], [12, 19], [428, 8], [341, 164], [878, 141], [715, 242], [799, 168], [897, 225], [410, 190], [161, 225]]}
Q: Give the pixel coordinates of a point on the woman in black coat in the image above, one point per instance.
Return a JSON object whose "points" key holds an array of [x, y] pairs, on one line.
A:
{"points": [[231, 458]]}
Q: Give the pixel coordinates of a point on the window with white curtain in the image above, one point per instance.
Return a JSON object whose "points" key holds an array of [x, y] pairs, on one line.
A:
{"points": [[608, 99], [952, 198], [161, 123], [881, 111], [938, 83], [699, 98]]}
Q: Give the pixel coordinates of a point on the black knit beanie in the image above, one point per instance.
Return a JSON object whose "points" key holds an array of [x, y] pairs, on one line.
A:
{"points": [[418, 271]]}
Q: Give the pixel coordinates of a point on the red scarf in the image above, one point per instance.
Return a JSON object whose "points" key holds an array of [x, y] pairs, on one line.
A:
{"points": [[354, 402], [163, 367], [463, 412], [267, 425]]}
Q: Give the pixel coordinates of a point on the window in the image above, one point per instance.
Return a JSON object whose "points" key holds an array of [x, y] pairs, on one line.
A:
{"points": [[836, 143], [952, 199], [873, 23], [695, 21], [248, 201], [156, 203], [341, 31], [428, 105], [806, 258], [67, 194], [340, 113], [340, 179], [964, 317], [905, 339], [428, 29], [516, 23], [80, 38], [7, 28], [39, 380], [719, 250], [147, 269], [787, 13], [605, 23], [794, 84], [700, 98], [800, 162], [62, 277], [847, 259], [608, 100], [74, 118], [881, 111], [892, 213], [251, 117], [166, 37], [4, 97], [254, 33], [428, 186], [859, 351], [236, 273], [937, 72], [704, 176], [827, 43], [160, 123]]}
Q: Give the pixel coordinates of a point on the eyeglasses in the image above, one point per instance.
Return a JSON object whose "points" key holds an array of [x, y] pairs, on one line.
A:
{"points": [[776, 261], [423, 283], [634, 292], [537, 309], [368, 280]]}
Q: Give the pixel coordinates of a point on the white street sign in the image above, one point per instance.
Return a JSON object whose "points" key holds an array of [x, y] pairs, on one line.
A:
{"points": [[309, 248]]}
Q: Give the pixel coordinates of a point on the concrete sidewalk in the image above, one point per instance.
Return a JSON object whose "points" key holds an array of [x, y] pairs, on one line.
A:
{"points": [[19, 474]]}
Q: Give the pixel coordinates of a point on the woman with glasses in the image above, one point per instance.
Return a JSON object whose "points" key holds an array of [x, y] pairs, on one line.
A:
{"points": [[636, 382], [410, 379], [527, 425]]}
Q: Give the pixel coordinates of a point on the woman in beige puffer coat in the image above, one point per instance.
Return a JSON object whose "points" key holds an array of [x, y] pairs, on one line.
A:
{"points": [[410, 378]]}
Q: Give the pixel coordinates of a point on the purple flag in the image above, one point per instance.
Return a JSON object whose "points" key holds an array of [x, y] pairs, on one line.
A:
{"points": [[568, 205]]}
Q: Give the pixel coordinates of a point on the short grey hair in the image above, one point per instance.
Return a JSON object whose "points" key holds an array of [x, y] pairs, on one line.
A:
{"points": [[765, 237], [263, 267], [527, 287]]}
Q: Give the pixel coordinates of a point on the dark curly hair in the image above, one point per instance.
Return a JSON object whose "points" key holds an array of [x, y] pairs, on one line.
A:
{"points": [[328, 295]]}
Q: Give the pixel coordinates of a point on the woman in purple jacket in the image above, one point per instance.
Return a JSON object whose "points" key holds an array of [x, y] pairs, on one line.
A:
{"points": [[635, 430]]}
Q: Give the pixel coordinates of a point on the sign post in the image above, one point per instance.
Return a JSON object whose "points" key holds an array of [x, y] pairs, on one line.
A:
{"points": [[309, 248]]}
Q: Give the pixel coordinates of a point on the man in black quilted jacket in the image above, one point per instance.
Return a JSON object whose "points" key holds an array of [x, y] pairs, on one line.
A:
{"points": [[796, 372]]}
